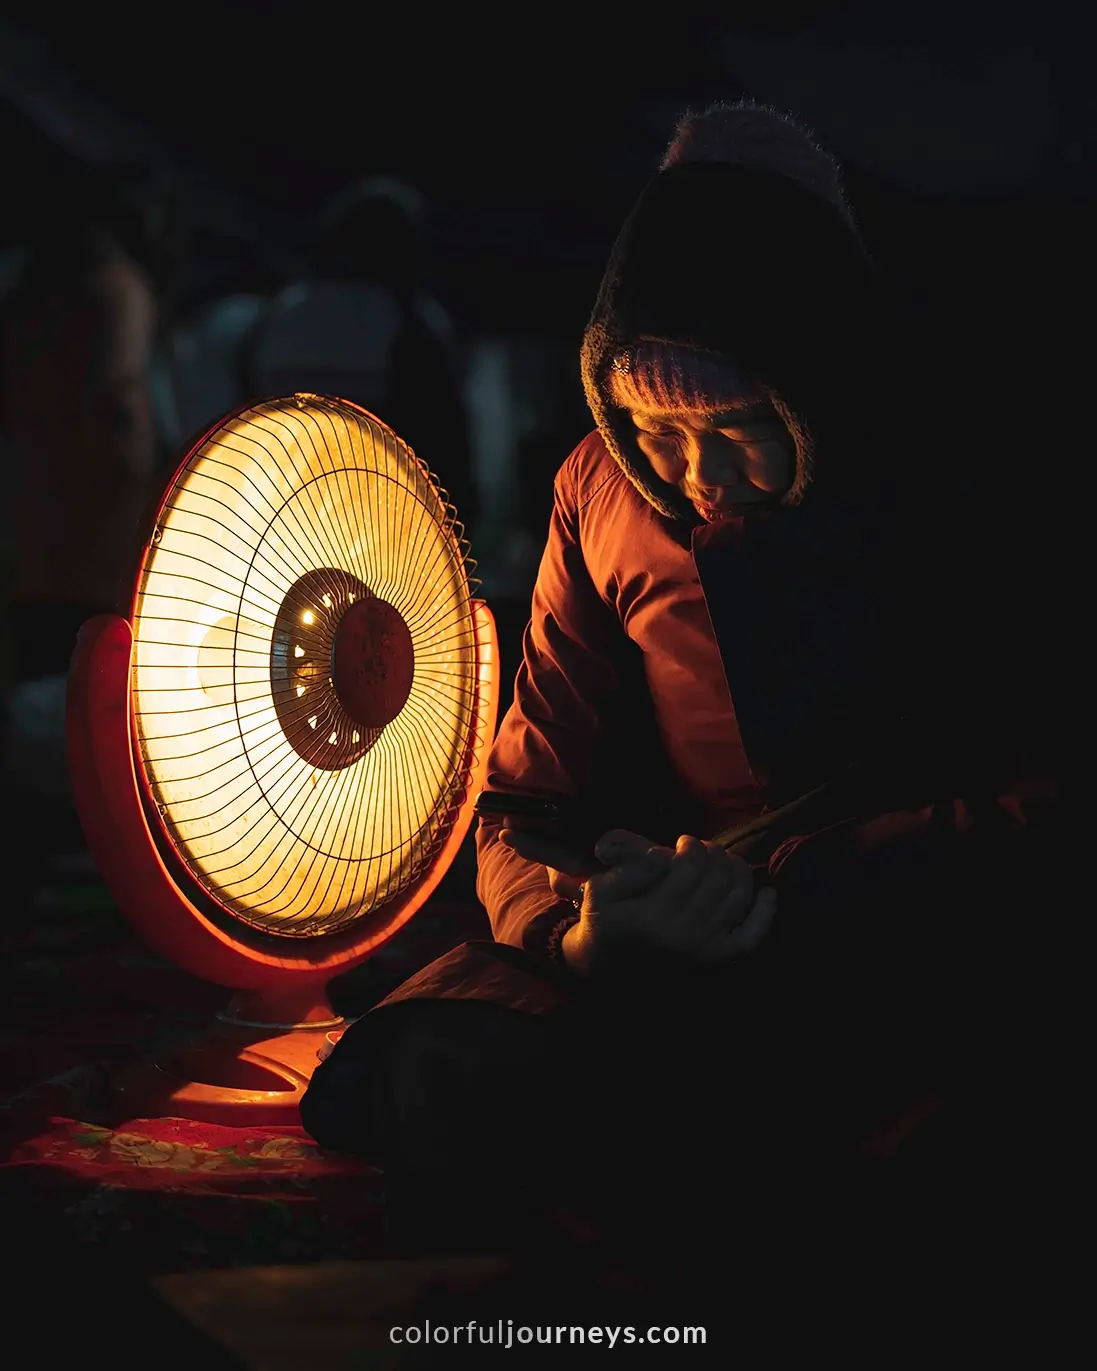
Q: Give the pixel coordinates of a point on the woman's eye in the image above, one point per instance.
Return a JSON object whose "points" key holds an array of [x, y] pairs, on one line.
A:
{"points": [[751, 433], [659, 433]]}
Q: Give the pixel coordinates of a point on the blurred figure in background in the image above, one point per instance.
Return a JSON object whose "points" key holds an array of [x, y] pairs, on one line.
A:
{"points": [[366, 327], [77, 413], [78, 435]]}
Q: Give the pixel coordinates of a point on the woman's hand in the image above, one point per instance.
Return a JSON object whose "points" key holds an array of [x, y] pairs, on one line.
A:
{"points": [[701, 909], [694, 903]]}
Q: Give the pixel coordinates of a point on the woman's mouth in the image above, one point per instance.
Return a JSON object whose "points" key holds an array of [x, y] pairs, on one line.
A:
{"points": [[713, 510], [719, 509]]}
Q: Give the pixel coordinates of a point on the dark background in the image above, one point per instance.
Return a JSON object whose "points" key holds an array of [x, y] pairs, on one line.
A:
{"points": [[532, 133]]}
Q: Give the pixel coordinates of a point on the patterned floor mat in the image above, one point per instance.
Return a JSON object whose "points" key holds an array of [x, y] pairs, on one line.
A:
{"points": [[83, 997]]}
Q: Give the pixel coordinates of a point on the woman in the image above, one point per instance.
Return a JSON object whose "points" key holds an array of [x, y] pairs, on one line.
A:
{"points": [[748, 668]]}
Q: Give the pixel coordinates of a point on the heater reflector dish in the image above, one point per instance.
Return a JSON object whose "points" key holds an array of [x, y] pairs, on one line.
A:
{"points": [[304, 672]]}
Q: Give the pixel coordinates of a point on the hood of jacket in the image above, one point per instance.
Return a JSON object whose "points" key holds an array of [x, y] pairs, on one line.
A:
{"points": [[747, 261]]}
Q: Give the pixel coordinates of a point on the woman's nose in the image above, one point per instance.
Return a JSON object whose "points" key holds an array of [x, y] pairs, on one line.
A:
{"points": [[713, 461]]}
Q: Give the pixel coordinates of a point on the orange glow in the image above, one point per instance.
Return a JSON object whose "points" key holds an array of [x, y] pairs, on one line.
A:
{"points": [[292, 846]]}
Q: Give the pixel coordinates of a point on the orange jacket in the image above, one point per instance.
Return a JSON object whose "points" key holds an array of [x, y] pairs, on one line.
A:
{"points": [[679, 679]]}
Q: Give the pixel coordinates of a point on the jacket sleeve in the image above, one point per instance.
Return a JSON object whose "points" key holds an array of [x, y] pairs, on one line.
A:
{"points": [[553, 739]]}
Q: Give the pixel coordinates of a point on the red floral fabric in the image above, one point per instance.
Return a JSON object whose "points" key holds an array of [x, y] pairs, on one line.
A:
{"points": [[83, 998], [171, 1194]]}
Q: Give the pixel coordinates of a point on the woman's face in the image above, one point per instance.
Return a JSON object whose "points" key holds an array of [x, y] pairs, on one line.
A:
{"points": [[720, 462]]}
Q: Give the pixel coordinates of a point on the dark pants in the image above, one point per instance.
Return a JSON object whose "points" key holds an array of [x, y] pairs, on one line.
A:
{"points": [[716, 1126], [651, 1112]]}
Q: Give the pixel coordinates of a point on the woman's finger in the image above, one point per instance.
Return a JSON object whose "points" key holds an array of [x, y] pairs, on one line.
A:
{"points": [[711, 902], [629, 879], [619, 844], [567, 887], [538, 847], [750, 933], [740, 874], [689, 864]]}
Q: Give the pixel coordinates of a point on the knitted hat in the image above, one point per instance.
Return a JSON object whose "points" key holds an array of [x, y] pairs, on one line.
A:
{"points": [[739, 273]]}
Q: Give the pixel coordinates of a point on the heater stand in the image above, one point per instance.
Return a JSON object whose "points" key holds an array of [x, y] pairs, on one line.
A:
{"points": [[251, 1067]]}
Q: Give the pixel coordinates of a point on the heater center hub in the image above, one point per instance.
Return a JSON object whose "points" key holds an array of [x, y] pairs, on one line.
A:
{"points": [[319, 726], [373, 662]]}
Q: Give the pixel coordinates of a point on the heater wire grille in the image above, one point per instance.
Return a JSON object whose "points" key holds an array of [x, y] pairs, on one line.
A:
{"points": [[282, 518]]}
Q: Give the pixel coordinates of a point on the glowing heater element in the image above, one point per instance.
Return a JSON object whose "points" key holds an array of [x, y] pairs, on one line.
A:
{"points": [[305, 757]]}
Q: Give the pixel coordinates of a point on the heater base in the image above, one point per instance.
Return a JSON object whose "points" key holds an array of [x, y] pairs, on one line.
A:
{"points": [[242, 1072]]}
